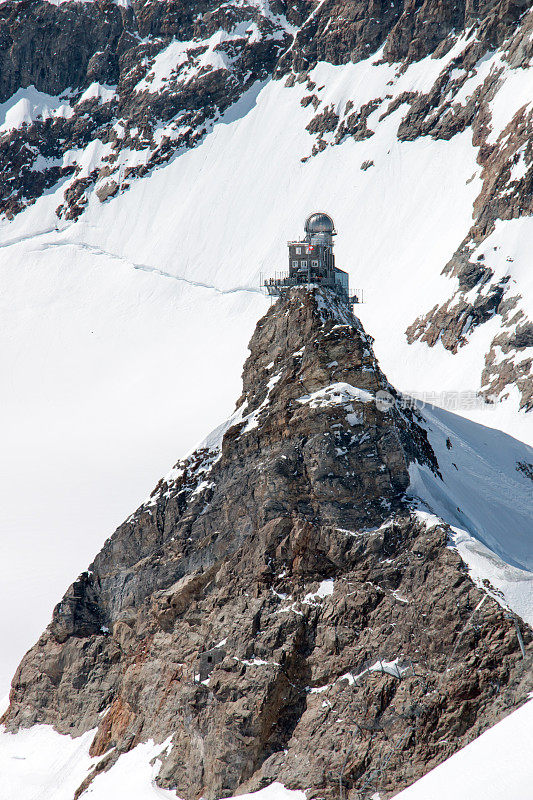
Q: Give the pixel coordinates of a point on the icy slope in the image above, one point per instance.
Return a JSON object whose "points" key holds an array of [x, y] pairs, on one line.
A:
{"points": [[484, 492], [485, 488]]}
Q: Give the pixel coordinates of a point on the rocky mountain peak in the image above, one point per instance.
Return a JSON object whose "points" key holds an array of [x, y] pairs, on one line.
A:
{"points": [[275, 610], [313, 326]]}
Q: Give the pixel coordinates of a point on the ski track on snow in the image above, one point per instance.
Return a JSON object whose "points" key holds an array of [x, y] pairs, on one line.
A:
{"points": [[29, 236], [98, 251]]}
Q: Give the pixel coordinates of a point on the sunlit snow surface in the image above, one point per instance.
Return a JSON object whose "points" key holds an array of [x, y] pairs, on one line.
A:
{"points": [[27, 105], [123, 334]]}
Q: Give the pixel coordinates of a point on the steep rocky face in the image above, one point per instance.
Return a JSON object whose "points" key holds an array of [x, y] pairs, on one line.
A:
{"points": [[339, 32], [275, 607], [146, 81]]}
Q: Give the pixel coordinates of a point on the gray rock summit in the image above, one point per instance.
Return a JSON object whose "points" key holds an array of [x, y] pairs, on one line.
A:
{"points": [[276, 607]]}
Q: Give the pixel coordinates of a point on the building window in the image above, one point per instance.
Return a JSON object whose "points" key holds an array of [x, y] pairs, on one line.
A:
{"points": [[304, 264], [295, 265], [298, 251], [314, 263]]}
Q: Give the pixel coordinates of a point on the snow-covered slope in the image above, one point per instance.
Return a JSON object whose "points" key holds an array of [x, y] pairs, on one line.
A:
{"points": [[484, 488]]}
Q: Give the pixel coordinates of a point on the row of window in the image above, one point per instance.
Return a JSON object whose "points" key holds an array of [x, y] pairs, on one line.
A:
{"points": [[303, 264], [304, 250]]}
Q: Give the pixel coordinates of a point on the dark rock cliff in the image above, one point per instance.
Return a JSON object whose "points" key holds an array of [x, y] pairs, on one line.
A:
{"points": [[63, 49], [275, 606]]}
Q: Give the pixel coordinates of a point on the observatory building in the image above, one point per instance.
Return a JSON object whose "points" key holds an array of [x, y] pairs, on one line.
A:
{"points": [[311, 260]]}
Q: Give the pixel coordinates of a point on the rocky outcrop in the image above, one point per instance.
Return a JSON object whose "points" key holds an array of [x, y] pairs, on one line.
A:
{"points": [[339, 32], [216, 54], [275, 607], [477, 300]]}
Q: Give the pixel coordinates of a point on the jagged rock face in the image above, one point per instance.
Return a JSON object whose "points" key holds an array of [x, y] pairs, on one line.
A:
{"points": [[217, 52], [275, 607], [340, 32]]}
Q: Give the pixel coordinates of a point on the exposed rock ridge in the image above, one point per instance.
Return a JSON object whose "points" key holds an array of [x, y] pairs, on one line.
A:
{"points": [[313, 356], [339, 32], [275, 607]]}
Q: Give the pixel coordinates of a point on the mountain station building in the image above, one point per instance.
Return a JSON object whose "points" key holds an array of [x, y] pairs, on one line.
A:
{"points": [[312, 261]]}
